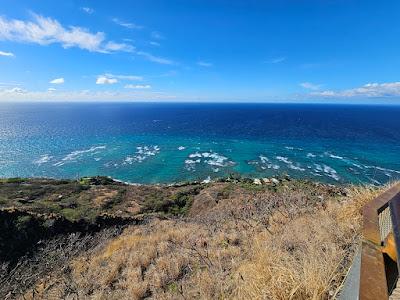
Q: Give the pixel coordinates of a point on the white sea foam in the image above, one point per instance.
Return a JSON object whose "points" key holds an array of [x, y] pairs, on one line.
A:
{"points": [[354, 171], [43, 159], [283, 159], [311, 155], [386, 171], [330, 172], [206, 154], [111, 164], [327, 170], [190, 167], [296, 167], [215, 159], [73, 156], [193, 155], [374, 180], [293, 148], [190, 164], [357, 165], [264, 163], [318, 168], [180, 148], [316, 174], [191, 161], [142, 153], [382, 169], [334, 156], [129, 159], [270, 166], [290, 164], [210, 158], [207, 180]]}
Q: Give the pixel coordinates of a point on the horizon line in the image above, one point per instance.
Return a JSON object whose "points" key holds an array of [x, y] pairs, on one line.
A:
{"points": [[200, 102]]}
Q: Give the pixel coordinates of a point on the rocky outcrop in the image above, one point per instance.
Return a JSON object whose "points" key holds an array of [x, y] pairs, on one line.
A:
{"points": [[22, 230]]}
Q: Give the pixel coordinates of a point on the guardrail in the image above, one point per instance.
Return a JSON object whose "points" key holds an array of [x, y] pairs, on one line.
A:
{"points": [[379, 253]]}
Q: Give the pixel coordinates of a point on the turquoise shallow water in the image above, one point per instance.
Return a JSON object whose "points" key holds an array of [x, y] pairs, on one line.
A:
{"points": [[162, 143]]}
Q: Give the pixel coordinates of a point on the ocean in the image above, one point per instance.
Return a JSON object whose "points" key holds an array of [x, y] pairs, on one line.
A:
{"points": [[166, 143]]}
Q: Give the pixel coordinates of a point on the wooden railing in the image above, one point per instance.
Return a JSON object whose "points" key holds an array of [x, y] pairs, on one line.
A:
{"points": [[379, 253]]}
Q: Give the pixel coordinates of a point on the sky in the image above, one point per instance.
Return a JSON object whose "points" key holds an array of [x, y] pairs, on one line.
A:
{"points": [[198, 50]]}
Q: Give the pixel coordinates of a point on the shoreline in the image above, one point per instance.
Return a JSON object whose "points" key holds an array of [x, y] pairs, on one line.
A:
{"points": [[236, 178]]}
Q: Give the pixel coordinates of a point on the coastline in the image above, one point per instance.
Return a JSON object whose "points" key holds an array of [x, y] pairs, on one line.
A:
{"points": [[233, 178]]}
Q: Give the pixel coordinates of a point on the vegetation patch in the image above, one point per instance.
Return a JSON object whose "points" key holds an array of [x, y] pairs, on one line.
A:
{"points": [[175, 204]]}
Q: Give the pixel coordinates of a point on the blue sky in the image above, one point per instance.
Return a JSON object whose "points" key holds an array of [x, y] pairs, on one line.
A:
{"points": [[145, 50]]}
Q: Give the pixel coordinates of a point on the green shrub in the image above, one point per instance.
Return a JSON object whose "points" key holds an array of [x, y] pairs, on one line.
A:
{"points": [[97, 180], [176, 204], [115, 200], [22, 222], [14, 180]]}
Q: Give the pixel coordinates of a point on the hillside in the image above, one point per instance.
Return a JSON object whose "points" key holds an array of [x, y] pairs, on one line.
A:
{"points": [[100, 239]]}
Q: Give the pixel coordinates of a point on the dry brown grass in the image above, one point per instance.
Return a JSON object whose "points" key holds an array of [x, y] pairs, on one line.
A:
{"points": [[295, 243], [308, 257]]}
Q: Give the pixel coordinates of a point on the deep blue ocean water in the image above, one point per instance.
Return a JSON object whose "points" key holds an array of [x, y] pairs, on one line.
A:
{"points": [[163, 143]]}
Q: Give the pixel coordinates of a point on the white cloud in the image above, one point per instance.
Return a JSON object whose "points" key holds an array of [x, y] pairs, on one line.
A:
{"points": [[169, 73], [276, 60], [57, 81], [138, 86], [18, 94], [310, 86], [112, 78], [124, 77], [154, 43], [126, 24], [87, 10], [156, 35], [204, 64], [8, 84], [155, 59], [370, 90], [2, 53], [14, 90], [51, 90], [112, 46], [46, 31], [324, 93], [105, 80]]}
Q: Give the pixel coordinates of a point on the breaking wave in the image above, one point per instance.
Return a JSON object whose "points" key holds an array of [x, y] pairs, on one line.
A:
{"points": [[213, 159], [75, 155], [142, 153], [45, 158]]}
